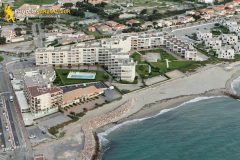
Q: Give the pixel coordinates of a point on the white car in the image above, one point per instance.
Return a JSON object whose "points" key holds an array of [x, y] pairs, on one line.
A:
{"points": [[11, 98]]}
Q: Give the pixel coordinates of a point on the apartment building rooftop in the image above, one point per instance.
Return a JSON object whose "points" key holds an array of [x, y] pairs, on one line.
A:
{"points": [[39, 77], [40, 90], [80, 92]]}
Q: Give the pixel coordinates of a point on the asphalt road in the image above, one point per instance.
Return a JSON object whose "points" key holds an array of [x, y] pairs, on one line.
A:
{"points": [[21, 152], [2, 130], [12, 122], [38, 34]]}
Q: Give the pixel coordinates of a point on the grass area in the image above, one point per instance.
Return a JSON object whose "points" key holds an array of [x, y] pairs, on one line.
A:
{"points": [[143, 70], [159, 67], [184, 66], [193, 36], [217, 30], [18, 3], [1, 58], [62, 79]]}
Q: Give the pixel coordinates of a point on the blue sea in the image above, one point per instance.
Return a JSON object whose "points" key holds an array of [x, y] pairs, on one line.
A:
{"points": [[205, 128]]}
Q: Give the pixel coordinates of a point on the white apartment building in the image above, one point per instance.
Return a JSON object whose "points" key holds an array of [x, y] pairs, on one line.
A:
{"points": [[42, 97], [206, 1], [147, 41], [213, 43], [121, 41], [121, 66], [89, 53], [229, 38], [43, 100], [114, 52], [225, 53], [180, 48], [201, 35], [234, 28]]}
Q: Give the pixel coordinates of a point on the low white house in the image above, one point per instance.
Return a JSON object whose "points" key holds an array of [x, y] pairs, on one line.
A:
{"points": [[234, 28], [229, 23], [237, 48], [213, 43], [206, 1], [229, 39], [225, 53], [201, 35]]}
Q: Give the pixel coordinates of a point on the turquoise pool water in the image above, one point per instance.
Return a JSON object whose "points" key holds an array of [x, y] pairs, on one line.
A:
{"points": [[81, 75]]}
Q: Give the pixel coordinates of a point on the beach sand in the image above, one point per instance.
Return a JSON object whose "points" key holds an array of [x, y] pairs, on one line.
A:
{"points": [[207, 81]]}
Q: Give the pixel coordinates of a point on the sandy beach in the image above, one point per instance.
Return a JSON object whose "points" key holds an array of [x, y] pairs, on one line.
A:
{"points": [[152, 109], [208, 81]]}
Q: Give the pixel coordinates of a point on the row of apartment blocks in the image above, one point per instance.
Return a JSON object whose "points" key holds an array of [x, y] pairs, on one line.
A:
{"points": [[144, 41], [226, 45], [114, 52]]}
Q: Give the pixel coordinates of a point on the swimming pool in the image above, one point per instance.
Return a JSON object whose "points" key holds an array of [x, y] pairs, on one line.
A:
{"points": [[81, 75]]}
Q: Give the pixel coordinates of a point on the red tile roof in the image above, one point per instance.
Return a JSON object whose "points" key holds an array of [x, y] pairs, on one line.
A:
{"points": [[80, 92], [37, 90]]}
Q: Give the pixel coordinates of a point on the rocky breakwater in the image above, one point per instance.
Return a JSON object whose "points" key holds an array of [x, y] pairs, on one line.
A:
{"points": [[90, 144]]}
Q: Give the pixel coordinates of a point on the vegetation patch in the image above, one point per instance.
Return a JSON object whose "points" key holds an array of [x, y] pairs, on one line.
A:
{"points": [[55, 129], [151, 69], [62, 79], [1, 58]]}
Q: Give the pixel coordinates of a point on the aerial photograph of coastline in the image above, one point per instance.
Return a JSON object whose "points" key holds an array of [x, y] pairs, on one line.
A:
{"points": [[119, 79]]}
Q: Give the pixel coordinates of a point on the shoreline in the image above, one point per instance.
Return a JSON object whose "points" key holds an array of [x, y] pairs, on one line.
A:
{"points": [[209, 81], [151, 110]]}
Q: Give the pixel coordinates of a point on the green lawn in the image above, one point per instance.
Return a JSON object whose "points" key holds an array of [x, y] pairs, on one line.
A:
{"points": [[18, 3], [1, 58], [143, 70], [159, 68], [216, 32], [183, 66], [220, 29], [63, 80]]}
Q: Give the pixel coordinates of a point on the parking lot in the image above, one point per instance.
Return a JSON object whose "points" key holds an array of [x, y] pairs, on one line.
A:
{"points": [[39, 132]]}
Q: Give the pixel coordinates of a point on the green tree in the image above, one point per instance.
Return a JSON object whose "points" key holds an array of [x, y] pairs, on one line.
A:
{"points": [[144, 11], [2, 40], [67, 5]]}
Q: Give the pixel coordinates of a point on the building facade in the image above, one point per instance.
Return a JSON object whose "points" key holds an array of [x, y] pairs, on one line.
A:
{"points": [[113, 52], [225, 53]]}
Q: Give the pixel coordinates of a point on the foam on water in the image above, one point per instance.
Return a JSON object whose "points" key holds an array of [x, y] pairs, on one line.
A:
{"points": [[102, 136], [235, 83]]}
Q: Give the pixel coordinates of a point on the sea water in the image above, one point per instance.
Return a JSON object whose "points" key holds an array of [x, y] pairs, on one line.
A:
{"points": [[205, 128]]}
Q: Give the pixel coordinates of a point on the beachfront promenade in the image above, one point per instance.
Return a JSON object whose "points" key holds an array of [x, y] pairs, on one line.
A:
{"points": [[90, 144]]}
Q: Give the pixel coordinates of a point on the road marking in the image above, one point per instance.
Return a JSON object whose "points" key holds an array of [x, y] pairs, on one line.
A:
{"points": [[4, 93]]}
